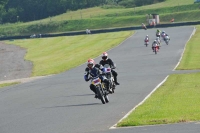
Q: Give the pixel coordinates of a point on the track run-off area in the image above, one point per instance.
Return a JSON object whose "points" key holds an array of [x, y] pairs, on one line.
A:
{"points": [[63, 103]]}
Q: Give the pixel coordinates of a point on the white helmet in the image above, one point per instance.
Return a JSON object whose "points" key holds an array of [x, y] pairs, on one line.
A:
{"points": [[146, 35], [104, 56]]}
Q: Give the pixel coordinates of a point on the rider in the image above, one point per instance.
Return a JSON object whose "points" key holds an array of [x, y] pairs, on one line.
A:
{"points": [[146, 39], [106, 60], [158, 32], [155, 44], [164, 34], [94, 70], [158, 41], [144, 26]]}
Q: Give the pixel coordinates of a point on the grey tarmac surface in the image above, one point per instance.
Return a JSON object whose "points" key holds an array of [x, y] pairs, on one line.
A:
{"points": [[13, 65], [63, 103]]}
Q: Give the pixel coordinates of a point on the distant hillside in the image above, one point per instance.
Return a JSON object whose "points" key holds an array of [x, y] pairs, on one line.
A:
{"points": [[12, 11]]}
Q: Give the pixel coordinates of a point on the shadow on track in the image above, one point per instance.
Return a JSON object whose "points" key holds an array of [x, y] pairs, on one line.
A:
{"points": [[78, 105]]}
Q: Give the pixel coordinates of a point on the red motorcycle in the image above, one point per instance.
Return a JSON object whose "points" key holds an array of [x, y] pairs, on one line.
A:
{"points": [[155, 48]]}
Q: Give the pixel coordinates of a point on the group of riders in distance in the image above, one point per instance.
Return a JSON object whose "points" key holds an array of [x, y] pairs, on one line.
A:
{"points": [[103, 77], [157, 42]]}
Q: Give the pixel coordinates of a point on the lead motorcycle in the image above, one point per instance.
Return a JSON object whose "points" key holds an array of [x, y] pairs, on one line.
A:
{"points": [[155, 48], [109, 76], [100, 89]]}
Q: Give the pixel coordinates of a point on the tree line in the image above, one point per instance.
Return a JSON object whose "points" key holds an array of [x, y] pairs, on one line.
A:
{"points": [[12, 11]]}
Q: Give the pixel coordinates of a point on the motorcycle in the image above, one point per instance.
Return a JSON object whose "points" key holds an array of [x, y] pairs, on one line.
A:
{"points": [[155, 48], [146, 42], [144, 26], [100, 89], [109, 76], [166, 39]]}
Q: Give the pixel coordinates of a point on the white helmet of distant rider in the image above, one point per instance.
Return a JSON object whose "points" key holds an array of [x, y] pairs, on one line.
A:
{"points": [[104, 56]]}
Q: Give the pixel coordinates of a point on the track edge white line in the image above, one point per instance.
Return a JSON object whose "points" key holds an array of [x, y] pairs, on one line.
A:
{"points": [[194, 31], [114, 126]]}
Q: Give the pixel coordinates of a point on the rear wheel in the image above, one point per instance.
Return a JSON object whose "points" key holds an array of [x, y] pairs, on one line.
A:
{"points": [[167, 42], [155, 50]]}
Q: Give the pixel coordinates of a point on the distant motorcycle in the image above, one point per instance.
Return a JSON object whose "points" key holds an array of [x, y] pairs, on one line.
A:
{"points": [[155, 48], [100, 89], [146, 42], [144, 26], [109, 76], [166, 39]]}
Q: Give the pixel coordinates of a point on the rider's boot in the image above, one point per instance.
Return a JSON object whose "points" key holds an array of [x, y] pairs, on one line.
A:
{"points": [[115, 79], [94, 90]]}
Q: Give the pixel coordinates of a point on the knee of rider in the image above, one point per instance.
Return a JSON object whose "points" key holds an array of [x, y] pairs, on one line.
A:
{"points": [[114, 73]]}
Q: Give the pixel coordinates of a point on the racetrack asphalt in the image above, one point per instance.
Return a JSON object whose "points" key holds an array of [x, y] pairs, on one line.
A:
{"points": [[63, 103]]}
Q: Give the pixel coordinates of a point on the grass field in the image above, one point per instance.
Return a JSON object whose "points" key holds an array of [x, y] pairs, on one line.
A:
{"points": [[58, 54], [177, 100], [97, 18]]}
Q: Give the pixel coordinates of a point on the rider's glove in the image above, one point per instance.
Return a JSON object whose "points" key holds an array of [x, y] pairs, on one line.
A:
{"points": [[86, 79]]}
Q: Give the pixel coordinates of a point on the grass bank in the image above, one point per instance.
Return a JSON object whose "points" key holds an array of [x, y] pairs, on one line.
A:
{"points": [[58, 54], [191, 57], [98, 18], [177, 100], [96, 23], [8, 84]]}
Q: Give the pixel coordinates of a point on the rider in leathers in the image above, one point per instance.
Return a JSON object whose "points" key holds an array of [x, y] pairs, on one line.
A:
{"points": [[94, 70], [106, 60]]}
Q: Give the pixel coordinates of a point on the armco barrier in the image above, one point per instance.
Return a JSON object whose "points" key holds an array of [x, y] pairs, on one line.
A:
{"points": [[103, 30]]}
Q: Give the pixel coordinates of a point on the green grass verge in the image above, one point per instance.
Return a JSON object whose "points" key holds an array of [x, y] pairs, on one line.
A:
{"points": [[177, 100], [191, 57], [58, 54], [8, 84]]}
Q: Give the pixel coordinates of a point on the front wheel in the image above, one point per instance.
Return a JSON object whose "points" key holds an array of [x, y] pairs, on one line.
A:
{"points": [[106, 98], [100, 95]]}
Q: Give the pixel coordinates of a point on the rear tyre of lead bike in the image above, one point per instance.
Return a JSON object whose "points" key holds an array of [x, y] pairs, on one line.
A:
{"points": [[167, 42], [100, 95]]}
